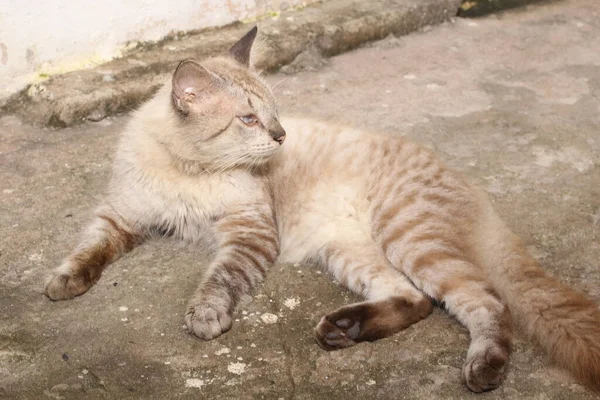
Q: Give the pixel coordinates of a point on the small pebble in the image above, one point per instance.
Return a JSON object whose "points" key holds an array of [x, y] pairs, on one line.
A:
{"points": [[61, 387], [194, 383], [291, 303], [236, 368], [269, 318], [224, 350]]}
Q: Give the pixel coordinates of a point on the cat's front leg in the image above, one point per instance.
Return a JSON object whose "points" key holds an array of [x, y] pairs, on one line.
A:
{"points": [[248, 246], [105, 240]]}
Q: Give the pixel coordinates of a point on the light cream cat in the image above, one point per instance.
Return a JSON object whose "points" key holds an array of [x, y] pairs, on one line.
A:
{"points": [[204, 162]]}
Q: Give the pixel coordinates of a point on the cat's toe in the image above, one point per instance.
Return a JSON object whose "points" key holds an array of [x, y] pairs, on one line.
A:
{"points": [[207, 321], [485, 370], [335, 335], [62, 286]]}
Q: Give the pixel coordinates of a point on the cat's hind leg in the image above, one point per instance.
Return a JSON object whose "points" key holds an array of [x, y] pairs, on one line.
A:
{"points": [[392, 305], [104, 241], [439, 267]]}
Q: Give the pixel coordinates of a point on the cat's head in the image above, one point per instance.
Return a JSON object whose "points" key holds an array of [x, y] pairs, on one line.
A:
{"points": [[226, 115]]}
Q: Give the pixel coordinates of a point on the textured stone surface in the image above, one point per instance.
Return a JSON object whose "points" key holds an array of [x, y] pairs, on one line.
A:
{"points": [[120, 85], [512, 100]]}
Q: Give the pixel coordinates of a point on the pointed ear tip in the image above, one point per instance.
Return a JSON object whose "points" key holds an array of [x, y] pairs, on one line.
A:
{"points": [[251, 34]]}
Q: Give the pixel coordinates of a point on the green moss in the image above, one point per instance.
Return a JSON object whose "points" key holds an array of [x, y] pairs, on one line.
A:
{"points": [[475, 8]]}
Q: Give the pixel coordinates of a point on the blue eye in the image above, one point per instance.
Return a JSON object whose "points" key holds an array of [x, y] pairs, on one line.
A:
{"points": [[250, 119]]}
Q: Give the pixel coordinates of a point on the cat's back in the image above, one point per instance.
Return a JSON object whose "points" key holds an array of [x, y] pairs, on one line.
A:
{"points": [[326, 149], [346, 168], [333, 154]]}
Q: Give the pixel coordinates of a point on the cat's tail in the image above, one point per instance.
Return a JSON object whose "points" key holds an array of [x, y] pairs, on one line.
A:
{"points": [[563, 321]]}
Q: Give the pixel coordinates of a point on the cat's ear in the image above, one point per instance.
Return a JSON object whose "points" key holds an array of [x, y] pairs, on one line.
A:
{"points": [[190, 81], [241, 50]]}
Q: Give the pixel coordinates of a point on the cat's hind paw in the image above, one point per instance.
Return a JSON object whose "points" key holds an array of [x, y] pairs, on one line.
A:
{"points": [[485, 369], [335, 335]]}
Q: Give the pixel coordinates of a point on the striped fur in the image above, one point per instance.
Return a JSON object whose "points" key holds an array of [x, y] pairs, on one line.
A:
{"points": [[383, 215]]}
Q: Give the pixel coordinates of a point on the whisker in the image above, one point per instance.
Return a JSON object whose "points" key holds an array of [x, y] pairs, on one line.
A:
{"points": [[278, 83]]}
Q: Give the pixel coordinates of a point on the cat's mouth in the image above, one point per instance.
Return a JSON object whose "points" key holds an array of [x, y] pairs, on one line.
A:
{"points": [[261, 157], [264, 151]]}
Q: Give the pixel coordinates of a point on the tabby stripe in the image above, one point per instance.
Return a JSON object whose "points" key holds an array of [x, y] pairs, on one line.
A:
{"points": [[214, 135], [437, 198], [232, 275], [252, 222], [255, 248], [458, 284], [267, 238], [242, 253], [433, 258], [436, 238], [127, 239], [388, 214], [260, 237], [90, 263], [400, 231]]}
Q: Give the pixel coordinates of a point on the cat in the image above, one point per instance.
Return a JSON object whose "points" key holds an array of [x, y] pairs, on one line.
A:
{"points": [[208, 161]]}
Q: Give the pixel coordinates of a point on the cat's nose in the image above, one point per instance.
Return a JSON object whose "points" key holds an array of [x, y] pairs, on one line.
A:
{"points": [[278, 134]]}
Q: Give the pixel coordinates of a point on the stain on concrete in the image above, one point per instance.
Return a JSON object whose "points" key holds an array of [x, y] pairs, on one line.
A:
{"points": [[30, 55], [3, 54]]}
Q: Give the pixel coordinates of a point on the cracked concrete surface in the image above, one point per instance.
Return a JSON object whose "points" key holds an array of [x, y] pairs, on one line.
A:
{"points": [[512, 100]]}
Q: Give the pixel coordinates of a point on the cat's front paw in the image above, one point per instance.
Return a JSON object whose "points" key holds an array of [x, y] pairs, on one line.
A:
{"points": [[207, 320], [62, 285]]}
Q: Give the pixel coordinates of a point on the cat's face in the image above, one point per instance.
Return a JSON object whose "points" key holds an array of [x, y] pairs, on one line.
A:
{"points": [[226, 114]]}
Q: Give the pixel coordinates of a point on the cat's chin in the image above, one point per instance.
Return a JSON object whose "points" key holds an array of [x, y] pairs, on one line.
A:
{"points": [[263, 158], [259, 162]]}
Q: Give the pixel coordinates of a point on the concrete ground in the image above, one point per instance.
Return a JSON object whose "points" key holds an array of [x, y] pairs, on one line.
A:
{"points": [[512, 100]]}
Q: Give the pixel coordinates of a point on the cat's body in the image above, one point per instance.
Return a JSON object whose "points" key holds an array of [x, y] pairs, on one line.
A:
{"points": [[203, 162]]}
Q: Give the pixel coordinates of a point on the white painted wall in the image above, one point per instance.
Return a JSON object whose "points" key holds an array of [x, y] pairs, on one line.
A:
{"points": [[45, 37]]}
